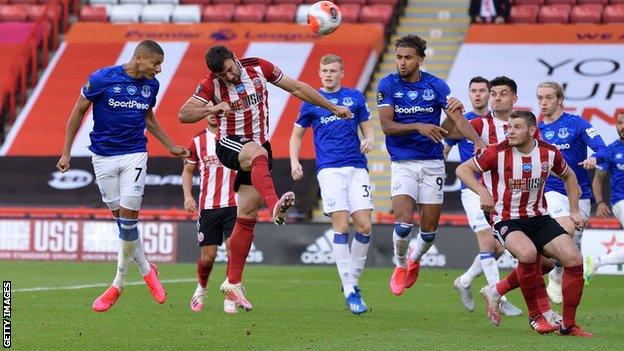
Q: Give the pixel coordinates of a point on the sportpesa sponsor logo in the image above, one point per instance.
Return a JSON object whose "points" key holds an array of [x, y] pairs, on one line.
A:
{"points": [[413, 109], [128, 104], [562, 146], [329, 119]]}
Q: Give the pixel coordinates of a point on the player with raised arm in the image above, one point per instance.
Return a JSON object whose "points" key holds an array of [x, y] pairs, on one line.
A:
{"points": [[515, 199], [217, 205], [491, 127], [410, 103], [613, 167], [341, 172], [123, 97], [236, 91], [572, 135]]}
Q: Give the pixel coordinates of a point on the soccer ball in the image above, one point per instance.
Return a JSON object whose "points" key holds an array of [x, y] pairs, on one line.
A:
{"points": [[324, 17]]}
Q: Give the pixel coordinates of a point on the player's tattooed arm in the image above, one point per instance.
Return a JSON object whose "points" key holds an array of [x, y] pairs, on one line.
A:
{"points": [[308, 94], [153, 126], [73, 124], [195, 110], [602, 208], [454, 110]]}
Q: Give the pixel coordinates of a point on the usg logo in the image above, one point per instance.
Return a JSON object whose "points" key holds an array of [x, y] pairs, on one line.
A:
{"points": [[72, 179], [319, 252]]}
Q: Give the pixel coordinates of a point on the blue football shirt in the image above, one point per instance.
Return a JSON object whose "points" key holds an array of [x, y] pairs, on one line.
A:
{"points": [[418, 102], [464, 146], [336, 140], [120, 104], [614, 165]]}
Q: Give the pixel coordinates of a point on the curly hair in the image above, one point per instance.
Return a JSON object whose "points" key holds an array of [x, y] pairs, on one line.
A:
{"points": [[412, 41]]}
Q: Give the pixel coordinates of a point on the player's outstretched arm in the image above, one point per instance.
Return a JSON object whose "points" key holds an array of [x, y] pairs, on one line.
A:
{"points": [[368, 143], [296, 170], [466, 173], [187, 187], [454, 111], [73, 124], [153, 126], [195, 110], [602, 208], [308, 94]]}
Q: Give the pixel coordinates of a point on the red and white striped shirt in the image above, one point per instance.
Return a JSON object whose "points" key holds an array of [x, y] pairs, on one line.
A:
{"points": [[216, 181], [249, 99], [491, 129], [518, 179]]}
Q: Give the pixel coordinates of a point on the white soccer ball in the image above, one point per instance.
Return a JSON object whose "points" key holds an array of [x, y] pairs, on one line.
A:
{"points": [[324, 17]]}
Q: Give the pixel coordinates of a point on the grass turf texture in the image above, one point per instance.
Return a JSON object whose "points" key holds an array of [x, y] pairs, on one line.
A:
{"points": [[295, 308]]}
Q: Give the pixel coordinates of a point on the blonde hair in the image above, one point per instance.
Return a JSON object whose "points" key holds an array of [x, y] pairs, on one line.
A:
{"points": [[331, 58], [555, 86]]}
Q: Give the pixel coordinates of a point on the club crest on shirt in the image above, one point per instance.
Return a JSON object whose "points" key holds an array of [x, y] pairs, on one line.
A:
{"points": [[563, 133], [257, 83], [549, 134], [146, 91], [347, 102], [131, 89], [117, 89], [412, 94], [545, 166], [240, 88], [527, 167], [428, 95]]}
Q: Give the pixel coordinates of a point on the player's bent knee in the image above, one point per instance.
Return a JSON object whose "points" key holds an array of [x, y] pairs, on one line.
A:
{"points": [[208, 259], [363, 228], [112, 205], [131, 202]]}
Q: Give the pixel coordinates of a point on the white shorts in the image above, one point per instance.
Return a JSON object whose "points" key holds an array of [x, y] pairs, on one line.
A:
{"points": [[618, 211], [559, 206], [345, 189], [423, 180], [121, 179], [472, 206]]}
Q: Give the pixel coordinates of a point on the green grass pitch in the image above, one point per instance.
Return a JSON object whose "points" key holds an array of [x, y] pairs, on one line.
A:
{"points": [[295, 308]]}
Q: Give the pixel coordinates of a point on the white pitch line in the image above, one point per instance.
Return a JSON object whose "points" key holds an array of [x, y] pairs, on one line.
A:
{"points": [[88, 286]]}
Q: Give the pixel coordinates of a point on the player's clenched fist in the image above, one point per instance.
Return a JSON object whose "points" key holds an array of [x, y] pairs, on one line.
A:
{"points": [[63, 163], [342, 112], [180, 151], [296, 171]]}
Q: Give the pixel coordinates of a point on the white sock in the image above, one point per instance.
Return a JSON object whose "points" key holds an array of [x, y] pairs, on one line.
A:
{"points": [[556, 275], [423, 244], [139, 257], [473, 271], [615, 257], [494, 292], [359, 250], [342, 256], [490, 267], [201, 289], [400, 238], [124, 254]]}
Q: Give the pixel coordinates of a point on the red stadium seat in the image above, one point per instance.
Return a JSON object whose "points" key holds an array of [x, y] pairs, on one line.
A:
{"points": [[586, 13], [569, 2], [524, 14], [93, 14], [13, 13], [602, 2], [280, 13], [613, 13], [34, 12], [529, 2], [350, 12], [218, 13], [296, 2], [249, 13], [265, 2], [343, 2], [559, 13], [33, 2], [377, 13]]}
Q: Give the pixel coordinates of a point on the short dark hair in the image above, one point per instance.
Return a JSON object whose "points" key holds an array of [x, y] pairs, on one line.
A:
{"points": [[216, 57], [412, 41], [149, 46], [502, 80], [479, 79], [528, 116]]}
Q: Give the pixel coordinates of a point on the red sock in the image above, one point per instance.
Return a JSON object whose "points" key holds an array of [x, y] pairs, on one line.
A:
{"points": [[203, 271], [572, 291], [508, 283], [540, 289], [240, 243], [526, 279], [262, 181]]}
